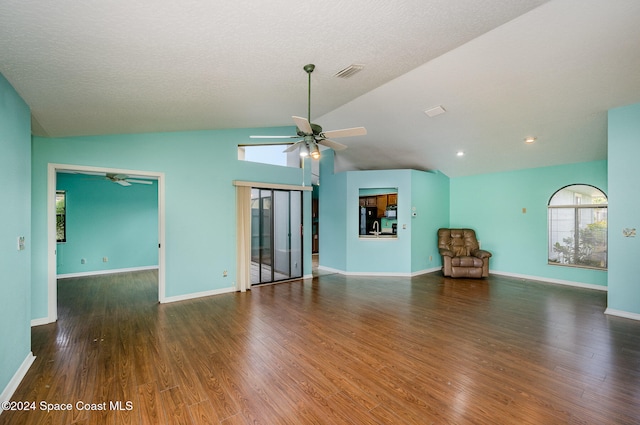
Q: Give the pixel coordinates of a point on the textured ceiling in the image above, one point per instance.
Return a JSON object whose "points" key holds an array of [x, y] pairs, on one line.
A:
{"points": [[552, 73], [503, 69]]}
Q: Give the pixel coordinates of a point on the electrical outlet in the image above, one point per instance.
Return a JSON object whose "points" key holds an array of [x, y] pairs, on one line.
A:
{"points": [[83, 261], [430, 258], [105, 259], [224, 273], [20, 243]]}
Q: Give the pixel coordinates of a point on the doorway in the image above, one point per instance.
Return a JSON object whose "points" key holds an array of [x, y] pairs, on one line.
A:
{"points": [[53, 169], [276, 235]]}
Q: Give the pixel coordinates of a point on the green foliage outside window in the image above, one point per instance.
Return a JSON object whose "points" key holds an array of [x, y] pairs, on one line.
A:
{"points": [[588, 251], [61, 216], [578, 227]]}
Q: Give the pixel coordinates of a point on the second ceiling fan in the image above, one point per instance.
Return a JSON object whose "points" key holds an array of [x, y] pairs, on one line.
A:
{"points": [[312, 134], [124, 180]]}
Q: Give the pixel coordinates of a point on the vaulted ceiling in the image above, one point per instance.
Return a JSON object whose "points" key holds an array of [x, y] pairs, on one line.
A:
{"points": [[503, 70]]}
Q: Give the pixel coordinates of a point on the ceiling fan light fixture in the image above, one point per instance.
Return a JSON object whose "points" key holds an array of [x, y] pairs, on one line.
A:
{"points": [[315, 152], [304, 150], [312, 134]]}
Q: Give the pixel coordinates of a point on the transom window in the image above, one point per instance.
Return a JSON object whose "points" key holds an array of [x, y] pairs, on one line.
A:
{"points": [[578, 227], [269, 154]]}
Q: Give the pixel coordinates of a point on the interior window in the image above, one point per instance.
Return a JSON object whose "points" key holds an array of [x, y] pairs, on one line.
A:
{"points": [[577, 217], [269, 154], [378, 213]]}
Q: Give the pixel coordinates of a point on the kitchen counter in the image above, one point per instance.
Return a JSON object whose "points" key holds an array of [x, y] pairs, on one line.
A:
{"points": [[380, 236]]}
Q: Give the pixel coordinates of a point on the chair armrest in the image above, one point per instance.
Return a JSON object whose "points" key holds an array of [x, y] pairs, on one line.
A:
{"points": [[446, 252], [481, 253]]}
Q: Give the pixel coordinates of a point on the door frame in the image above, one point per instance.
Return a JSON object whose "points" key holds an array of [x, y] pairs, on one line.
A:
{"points": [[272, 236], [245, 265], [52, 171]]}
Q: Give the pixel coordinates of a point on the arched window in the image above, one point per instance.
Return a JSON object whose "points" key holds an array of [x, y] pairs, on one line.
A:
{"points": [[578, 227]]}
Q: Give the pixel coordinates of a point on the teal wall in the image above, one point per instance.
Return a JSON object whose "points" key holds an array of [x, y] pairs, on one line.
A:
{"points": [[377, 255], [105, 219], [624, 207], [332, 193], [492, 205], [15, 165], [377, 191], [342, 249], [200, 202], [430, 197]]}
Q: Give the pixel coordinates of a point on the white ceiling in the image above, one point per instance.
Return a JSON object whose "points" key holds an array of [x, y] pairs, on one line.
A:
{"points": [[502, 69]]}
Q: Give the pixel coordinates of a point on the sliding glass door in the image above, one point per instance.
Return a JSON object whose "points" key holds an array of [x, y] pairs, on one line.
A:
{"points": [[276, 235]]}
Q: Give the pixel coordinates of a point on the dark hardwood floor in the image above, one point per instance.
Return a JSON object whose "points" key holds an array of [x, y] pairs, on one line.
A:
{"points": [[335, 350]]}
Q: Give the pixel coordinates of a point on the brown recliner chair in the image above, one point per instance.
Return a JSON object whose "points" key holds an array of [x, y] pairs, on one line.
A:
{"points": [[461, 254]]}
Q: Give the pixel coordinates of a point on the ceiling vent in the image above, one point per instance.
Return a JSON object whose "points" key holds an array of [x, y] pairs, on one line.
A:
{"points": [[435, 111], [349, 71]]}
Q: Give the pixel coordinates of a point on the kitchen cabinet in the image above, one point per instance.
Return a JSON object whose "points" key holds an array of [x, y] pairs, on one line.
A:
{"points": [[368, 201], [381, 204]]}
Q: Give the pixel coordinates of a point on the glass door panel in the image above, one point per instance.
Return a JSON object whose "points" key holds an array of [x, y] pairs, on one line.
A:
{"points": [[281, 235], [276, 237], [266, 240], [295, 244]]}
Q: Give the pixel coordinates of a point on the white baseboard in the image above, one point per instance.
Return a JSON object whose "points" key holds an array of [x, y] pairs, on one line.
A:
{"points": [[41, 321], [549, 280], [11, 387], [185, 297], [373, 274], [101, 272], [330, 270], [425, 271], [508, 274], [382, 274], [622, 313]]}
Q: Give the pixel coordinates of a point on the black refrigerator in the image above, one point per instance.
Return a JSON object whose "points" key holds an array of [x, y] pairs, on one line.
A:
{"points": [[368, 216]]}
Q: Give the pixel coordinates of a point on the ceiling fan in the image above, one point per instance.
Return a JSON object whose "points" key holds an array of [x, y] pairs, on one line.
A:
{"points": [[312, 134], [124, 180]]}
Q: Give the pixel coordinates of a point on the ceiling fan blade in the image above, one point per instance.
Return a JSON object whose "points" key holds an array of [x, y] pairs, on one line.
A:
{"points": [[347, 132], [116, 176], [274, 137], [331, 144], [122, 182], [303, 124], [91, 173], [138, 181], [293, 147]]}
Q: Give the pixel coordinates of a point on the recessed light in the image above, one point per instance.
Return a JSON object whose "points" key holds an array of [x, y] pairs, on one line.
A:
{"points": [[530, 139], [435, 111], [460, 153]]}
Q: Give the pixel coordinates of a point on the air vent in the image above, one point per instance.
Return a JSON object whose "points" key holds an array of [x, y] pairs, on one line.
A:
{"points": [[435, 111], [349, 71]]}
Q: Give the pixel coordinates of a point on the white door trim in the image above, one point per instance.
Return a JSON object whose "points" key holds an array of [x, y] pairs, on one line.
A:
{"points": [[52, 169]]}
